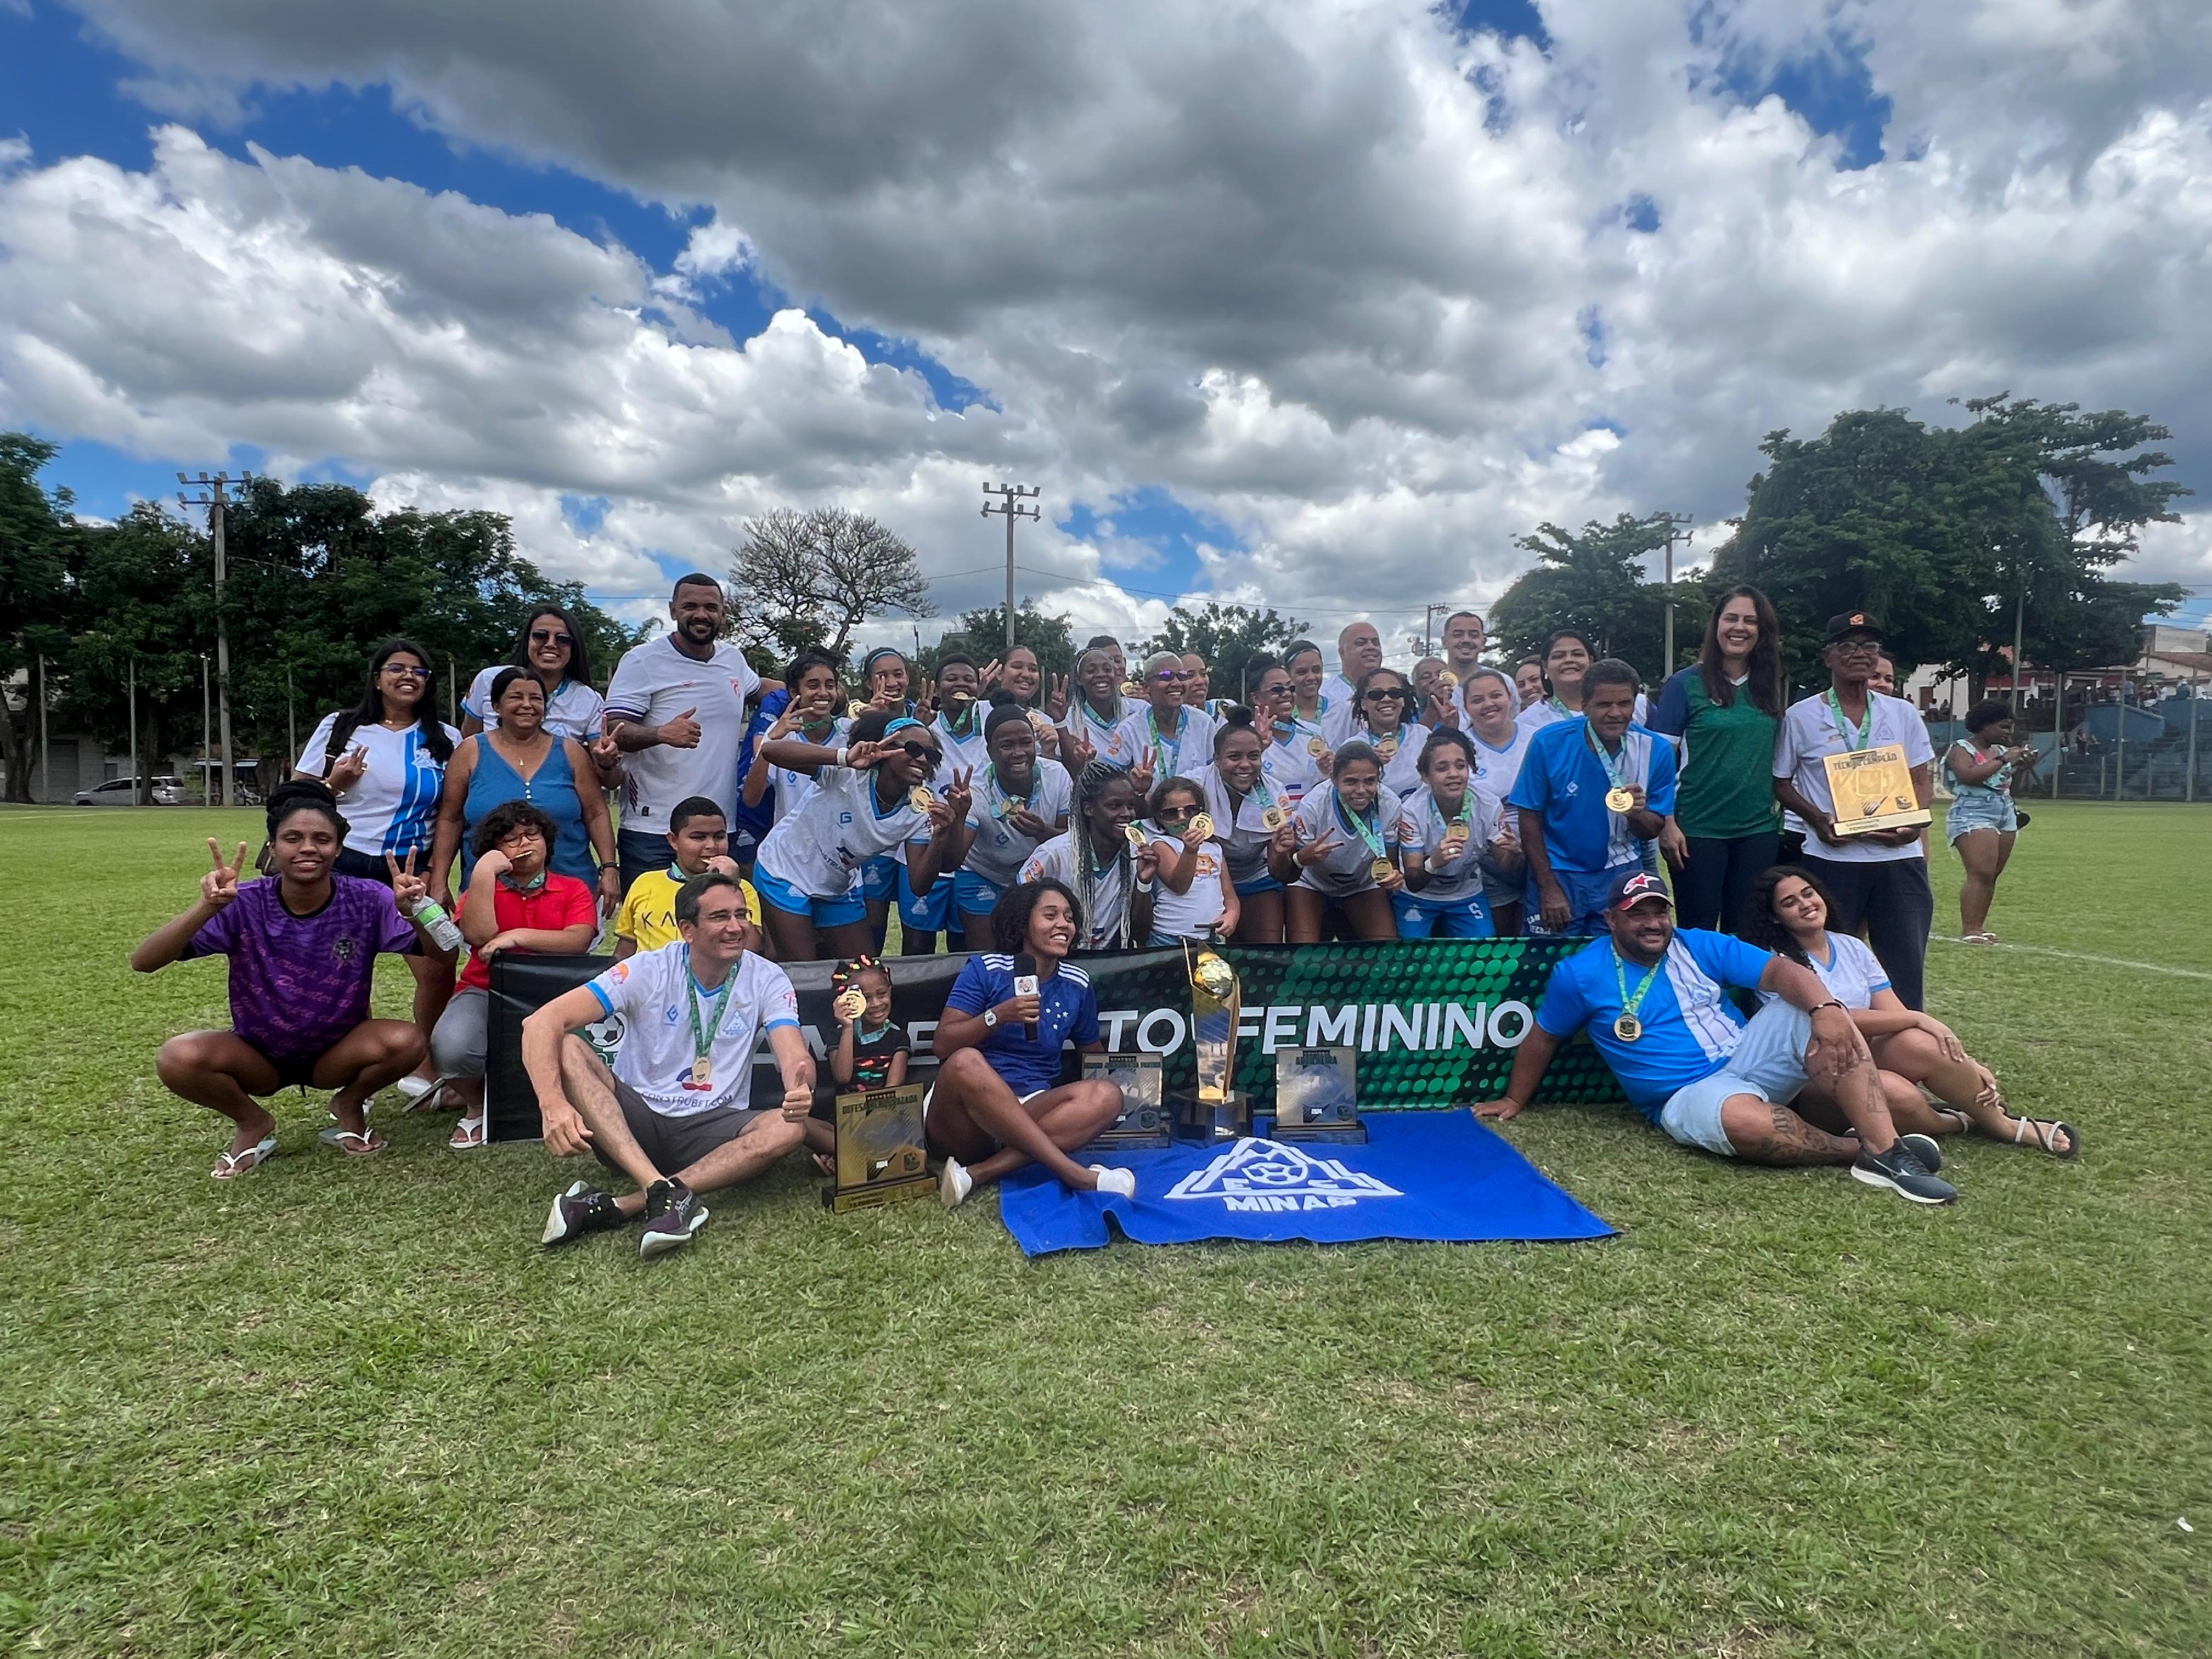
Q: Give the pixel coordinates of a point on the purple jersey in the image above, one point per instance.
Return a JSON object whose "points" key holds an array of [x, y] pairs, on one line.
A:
{"points": [[300, 983]]}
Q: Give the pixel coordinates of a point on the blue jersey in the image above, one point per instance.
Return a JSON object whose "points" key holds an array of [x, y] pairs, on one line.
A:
{"points": [[1563, 778], [1068, 1011], [1690, 1028]]}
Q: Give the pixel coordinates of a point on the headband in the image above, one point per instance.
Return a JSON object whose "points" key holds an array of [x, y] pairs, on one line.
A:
{"points": [[902, 720]]}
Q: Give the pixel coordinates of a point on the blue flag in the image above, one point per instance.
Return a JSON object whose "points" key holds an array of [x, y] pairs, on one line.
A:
{"points": [[1421, 1175]]}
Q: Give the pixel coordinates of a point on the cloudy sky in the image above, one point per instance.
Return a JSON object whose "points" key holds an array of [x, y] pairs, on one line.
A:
{"points": [[1312, 305]]}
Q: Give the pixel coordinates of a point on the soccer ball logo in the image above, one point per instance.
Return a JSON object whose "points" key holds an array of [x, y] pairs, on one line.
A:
{"points": [[606, 1036]]}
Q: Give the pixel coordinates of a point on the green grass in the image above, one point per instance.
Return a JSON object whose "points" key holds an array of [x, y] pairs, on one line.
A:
{"points": [[351, 1408]]}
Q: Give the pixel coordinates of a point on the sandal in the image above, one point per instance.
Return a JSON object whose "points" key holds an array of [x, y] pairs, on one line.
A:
{"points": [[468, 1135], [228, 1166], [354, 1143], [1959, 1122], [2046, 1131]]}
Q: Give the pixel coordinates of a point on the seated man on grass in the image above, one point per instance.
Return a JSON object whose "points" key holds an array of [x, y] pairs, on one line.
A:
{"points": [[676, 1115], [1652, 999]]}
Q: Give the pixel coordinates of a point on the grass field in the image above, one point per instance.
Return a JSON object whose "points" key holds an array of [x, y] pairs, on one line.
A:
{"points": [[350, 1407]]}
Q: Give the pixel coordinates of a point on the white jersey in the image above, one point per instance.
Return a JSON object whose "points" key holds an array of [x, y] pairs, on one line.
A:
{"points": [[1851, 973], [1104, 894], [1347, 868], [655, 994], [1544, 711], [999, 850], [1240, 828], [1174, 754], [1189, 914], [1810, 733], [787, 787], [1401, 771], [1422, 827], [394, 806], [653, 685], [969, 754], [1498, 769], [820, 848], [1290, 765], [573, 711]]}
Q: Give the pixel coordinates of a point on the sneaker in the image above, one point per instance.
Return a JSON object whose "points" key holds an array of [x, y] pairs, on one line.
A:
{"points": [[1903, 1175], [1924, 1148], [954, 1184], [579, 1210], [1117, 1183], [672, 1214]]}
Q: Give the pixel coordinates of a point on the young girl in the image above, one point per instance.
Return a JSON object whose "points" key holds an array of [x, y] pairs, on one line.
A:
{"points": [[1788, 915], [1111, 877], [302, 948], [1095, 709], [1339, 850], [1290, 768], [871, 1049], [811, 715], [1384, 722], [1196, 900], [1248, 808], [1983, 823], [1448, 835], [1309, 707]]}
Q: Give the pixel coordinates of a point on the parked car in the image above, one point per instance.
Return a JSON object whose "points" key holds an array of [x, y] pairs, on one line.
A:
{"points": [[121, 792]]}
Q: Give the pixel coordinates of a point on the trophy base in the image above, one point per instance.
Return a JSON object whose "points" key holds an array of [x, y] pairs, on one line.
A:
{"points": [[876, 1194], [1213, 1121], [1136, 1137], [1335, 1131]]}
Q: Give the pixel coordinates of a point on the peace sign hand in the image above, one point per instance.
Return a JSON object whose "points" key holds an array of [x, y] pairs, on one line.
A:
{"points": [[1315, 851], [1076, 751], [408, 889], [1056, 704], [861, 756], [346, 771], [954, 803], [989, 676], [220, 886]]}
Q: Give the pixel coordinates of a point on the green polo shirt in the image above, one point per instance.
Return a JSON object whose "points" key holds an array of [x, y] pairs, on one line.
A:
{"points": [[1727, 787]]}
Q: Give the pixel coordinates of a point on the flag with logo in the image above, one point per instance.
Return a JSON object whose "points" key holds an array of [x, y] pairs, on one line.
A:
{"points": [[1421, 1176]]}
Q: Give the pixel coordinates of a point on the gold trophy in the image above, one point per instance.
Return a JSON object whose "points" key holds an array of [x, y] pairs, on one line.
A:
{"points": [[881, 1150], [1216, 1110]]}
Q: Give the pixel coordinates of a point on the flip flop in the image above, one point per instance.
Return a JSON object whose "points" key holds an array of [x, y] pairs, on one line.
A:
{"points": [[468, 1135], [2046, 1131], [228, 1166], [352, 1142]]}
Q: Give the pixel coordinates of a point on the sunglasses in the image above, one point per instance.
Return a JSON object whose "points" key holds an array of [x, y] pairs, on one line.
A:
{"points": [[542, 636], [403, 671], [1388, 694], [1169, 675], [925, 752]]}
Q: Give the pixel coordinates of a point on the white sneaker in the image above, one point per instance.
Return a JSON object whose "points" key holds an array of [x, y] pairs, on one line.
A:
{"points": [[954, 1184], [1120, 1183]]}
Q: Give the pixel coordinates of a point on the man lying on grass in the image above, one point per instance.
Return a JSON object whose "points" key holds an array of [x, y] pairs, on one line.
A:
{"points": [[675, 1114], [1651, 998], [302, 949]]}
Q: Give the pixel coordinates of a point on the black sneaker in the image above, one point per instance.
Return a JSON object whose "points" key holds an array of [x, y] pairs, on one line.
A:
{"points": [[672, 1214], [579, 1210], [1903, 1175], [1924, 1148]]}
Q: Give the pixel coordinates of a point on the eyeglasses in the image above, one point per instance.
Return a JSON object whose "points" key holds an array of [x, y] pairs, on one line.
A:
{"points": [[1857, 647], [406, 671], [545, 636]]}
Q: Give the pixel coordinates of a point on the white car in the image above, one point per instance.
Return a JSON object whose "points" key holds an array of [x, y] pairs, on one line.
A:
{"points": [[119, 792]]}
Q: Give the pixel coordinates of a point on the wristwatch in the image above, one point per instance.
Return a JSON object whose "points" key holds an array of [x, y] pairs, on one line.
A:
{"points": [[990, 1019]]}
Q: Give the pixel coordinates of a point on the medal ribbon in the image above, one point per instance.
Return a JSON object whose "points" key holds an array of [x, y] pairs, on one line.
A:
{"points": [[1853, 740], [1616, 770], [1006, 804], [1372, 836], [1630, 1002], [1461, 819], [702, 1037], [1170, 751]]}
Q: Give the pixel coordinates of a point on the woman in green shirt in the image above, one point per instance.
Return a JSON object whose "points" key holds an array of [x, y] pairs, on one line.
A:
{"points": [[1724, 711]]}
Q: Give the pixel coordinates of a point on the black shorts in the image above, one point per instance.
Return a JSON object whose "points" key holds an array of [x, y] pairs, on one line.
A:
{"points": [[369, 867], [293, 1071], [675, 1144]]}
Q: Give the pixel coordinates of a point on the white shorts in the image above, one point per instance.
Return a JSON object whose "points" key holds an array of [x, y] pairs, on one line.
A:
{"points": [[1769, 1062]]}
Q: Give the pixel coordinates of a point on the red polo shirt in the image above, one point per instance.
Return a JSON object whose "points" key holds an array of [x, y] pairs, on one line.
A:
{"points": [[563, 902]]}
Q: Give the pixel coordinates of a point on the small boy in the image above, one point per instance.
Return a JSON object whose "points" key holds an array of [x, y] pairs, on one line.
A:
{"points": [[699, 838]]}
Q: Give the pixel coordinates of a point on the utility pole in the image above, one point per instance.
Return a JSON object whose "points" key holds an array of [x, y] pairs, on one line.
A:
{"points": [[1677, 530], [1011, 508], [46, 755], [2018, 638], [207, 734], [1428, 612], [212, 498], [139, 788]]}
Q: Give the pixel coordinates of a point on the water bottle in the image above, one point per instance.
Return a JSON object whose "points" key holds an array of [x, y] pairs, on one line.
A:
{"points": [[436, 923]]}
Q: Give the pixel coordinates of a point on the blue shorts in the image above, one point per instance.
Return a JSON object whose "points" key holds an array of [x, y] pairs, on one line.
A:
{"points": [[1262, 883], [926, 912], [879, 878], [823, 912], [1466, 918], [1980, 811], [1585, 894], [1769, 1062], [970, 893]]}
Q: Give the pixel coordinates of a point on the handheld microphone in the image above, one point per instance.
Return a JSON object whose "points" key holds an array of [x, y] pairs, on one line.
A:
{"points": [[1025, 984]]}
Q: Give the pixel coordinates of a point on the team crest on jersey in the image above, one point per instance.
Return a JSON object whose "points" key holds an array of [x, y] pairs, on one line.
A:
{"points": [[1257, 1175], [342, 949]]}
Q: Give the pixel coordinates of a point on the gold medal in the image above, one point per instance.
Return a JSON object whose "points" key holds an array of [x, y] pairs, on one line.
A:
{"points": [[702, 1073], [1620, 800], [1136, 837], [1452, 845], [1132, 688], [1201, 828], [851, 1005], [1447, 679], [855, 708], [1041, 721], [1316, 748], [1381, 869], [921, 798], [1627, 1028], [1274, 817], [1386, 747]]}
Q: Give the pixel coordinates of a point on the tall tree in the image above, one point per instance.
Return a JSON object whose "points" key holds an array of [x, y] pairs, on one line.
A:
{"points": [[1593, 578], [1227, 637], [982, 634], [804, 579], [37, 541]]}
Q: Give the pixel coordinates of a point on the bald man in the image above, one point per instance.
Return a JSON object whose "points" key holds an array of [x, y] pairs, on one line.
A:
{"points": [[1358, 651]]}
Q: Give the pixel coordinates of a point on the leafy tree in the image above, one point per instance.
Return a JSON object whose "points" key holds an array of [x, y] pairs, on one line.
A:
{"points": [[37, 539], [982, 634], [807, 579], [1595, 580], [1227, 637]]}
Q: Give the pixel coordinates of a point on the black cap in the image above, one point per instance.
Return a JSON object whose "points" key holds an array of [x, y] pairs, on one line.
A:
{"points": [[1853, 622], [1632, 887]]}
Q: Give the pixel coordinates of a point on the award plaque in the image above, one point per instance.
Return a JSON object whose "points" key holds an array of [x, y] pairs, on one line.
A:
{"points": [[1873, 790], [1215, 1110], [1317, 1095], [880, 1154], [1144, 1118]]}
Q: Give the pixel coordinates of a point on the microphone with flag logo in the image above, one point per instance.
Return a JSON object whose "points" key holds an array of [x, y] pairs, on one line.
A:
{"points": [[1025, 984]]}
